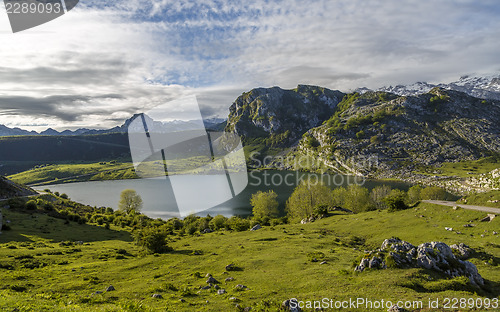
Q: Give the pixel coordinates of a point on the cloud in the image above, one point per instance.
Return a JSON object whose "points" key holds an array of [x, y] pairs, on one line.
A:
{"points": [[105, 60]]}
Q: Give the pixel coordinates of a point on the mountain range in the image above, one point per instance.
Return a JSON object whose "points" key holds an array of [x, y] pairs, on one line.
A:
{"points": [[487, 87], [373, 133], [175, 125]]}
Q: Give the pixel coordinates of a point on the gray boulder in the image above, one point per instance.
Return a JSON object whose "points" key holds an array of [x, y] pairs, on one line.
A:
{"points": [[291, 305], [256, 227], [212, 280]]}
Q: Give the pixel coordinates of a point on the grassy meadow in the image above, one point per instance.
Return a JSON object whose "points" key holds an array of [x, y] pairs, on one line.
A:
{"points": [[49, 264]]}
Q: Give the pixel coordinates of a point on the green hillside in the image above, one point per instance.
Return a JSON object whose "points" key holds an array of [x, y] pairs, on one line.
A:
{"points": [[44, 267]]}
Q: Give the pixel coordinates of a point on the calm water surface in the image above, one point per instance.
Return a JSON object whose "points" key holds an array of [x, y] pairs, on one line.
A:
{"points": [[159, 200]]}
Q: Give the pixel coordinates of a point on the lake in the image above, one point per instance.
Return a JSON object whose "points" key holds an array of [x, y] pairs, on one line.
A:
{"points": [[159, 200]]}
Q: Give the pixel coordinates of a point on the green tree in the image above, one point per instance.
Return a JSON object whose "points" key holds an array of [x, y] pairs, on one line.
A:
{"points": [[130, 201], [414, 194], [264, 205], [153, 239], [305, 198], [377, 195], [433, 193], [357, 199], [396, 200]]}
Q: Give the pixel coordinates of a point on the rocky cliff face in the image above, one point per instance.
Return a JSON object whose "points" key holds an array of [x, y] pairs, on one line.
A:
{"points": [[280, 117], [407, 131]]}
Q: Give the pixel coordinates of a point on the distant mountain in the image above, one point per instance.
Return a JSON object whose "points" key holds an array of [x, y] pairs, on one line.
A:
{"points": [[487, 87], [171, 126]]}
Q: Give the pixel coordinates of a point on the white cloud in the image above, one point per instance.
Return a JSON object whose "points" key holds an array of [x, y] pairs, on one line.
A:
{"points": [[105, 60]]}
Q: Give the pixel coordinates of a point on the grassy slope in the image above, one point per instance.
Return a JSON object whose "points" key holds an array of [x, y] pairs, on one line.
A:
{"points": [[464, 169], [275, 263], [491, 199], [59, 173]]}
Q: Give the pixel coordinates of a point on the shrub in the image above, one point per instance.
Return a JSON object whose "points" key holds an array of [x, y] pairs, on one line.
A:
{"points": [[218, 222], [31, 205], [396, 200], [153, 239], [64, 195], [414, 194]]}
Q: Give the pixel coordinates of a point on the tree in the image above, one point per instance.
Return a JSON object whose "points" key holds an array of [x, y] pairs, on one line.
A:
{"points": [[357, 199], [396, 200], [433, 193], [414, 194], [305, 198], [130, 201], [264, 205], [378, 194]]}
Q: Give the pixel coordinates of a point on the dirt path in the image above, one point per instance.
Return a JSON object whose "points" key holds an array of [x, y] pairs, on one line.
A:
{"points": [[471, 207]]}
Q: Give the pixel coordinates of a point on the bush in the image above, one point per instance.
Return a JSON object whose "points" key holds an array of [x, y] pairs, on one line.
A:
{"points": [[414, 194], [218, 222], [31, 205], [153, 239], [396, 200], [64, 196]]}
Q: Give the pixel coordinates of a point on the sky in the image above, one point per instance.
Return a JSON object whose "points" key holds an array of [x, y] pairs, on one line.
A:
{"points": [[105, 60]]}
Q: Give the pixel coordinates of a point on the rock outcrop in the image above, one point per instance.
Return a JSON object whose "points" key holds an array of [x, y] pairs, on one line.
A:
{"points": [[436, 256]]}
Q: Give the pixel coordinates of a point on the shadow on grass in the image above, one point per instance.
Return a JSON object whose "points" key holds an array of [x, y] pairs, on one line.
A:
{"points": [[427, 281], [26, 227]]}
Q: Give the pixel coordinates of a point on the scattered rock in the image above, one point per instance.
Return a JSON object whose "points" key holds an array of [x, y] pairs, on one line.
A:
{"points": [[287, 305], [495, 233], [233, 299], [229, 279], [182, 300], [217, 287], [488, 218], [449, 229], [230, 267], [212, 280], [205, 287], [240, 287], [314, 260], [207, 230], [157, 296], [221, 291], [324, 262], [98, 292], [395, 308], [256, 227], [468, 225], [110, 288], [456, 207], [208, 275]]}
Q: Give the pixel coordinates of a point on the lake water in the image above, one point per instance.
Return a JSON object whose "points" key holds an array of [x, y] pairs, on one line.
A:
{"points": [[159, 200]]}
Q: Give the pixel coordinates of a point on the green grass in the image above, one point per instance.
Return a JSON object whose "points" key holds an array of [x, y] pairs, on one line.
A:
{"points": [[464, 169], [491, 199], [275, 263], [62, 173]]}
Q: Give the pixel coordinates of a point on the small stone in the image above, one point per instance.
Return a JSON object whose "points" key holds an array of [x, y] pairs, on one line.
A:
{"points": [[212, 280], [229, 279], [495, 233], [233, 299], [182, 300], [208, 275], [230, 267], [221, 291], [110, 288], [256, 227], [240, 287], [217, 287], [324, 262], [157, 296], [314, 260], [448, 229], [205, 287], [395, 308], [98, 292]]}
